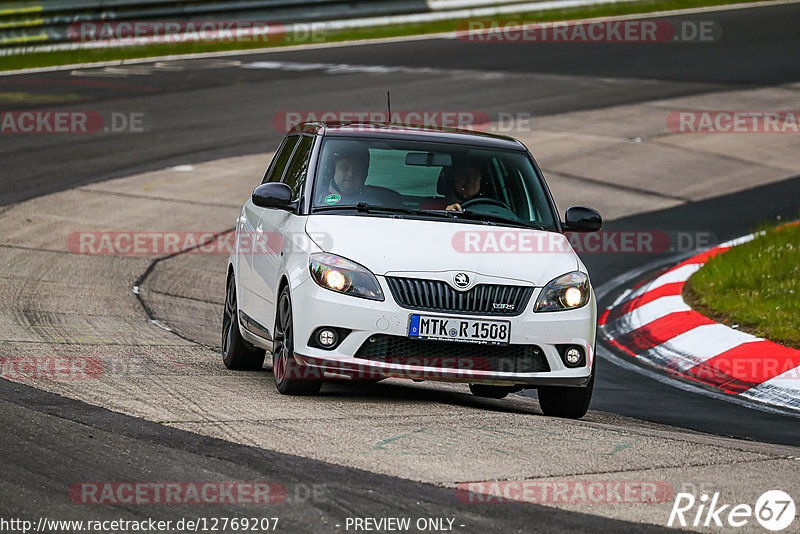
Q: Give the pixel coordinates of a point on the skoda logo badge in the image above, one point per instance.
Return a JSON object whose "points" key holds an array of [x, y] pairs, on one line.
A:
{"points": [[461, 280]]}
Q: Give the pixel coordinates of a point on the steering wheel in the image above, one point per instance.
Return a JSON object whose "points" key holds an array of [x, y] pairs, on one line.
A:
{"points": [[483, 200]]}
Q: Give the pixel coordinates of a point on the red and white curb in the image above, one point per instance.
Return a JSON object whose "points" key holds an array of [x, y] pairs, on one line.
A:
{"points": [[653, 324]]}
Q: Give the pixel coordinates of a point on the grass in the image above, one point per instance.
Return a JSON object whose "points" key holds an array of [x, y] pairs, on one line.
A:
{"points": [[755, 286], [46, 59]]}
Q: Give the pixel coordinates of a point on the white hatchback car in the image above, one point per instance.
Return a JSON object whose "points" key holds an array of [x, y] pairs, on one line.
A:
{"points": [[372, 251]]}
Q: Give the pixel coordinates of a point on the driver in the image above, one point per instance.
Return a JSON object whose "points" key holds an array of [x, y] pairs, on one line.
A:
{"points": [[467, 181], [466, 186]]}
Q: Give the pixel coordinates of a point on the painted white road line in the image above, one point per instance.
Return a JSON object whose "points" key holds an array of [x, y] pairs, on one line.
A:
{"points": [[347, 68], [697, 345], [782, 390], [681, 274], [631, 294], [647, 313], [738, 241]]}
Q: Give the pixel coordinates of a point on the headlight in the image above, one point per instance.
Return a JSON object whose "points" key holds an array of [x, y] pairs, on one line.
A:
{"points": [[564, 293], [344, 276]]}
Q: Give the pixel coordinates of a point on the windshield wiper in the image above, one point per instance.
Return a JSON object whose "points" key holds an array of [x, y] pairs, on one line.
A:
{"points": [[372, 208], [499, 219], [471, 215]]}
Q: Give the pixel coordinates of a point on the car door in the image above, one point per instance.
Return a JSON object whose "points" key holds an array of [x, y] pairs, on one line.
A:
{"points": [[274, 245], [249, 234]]}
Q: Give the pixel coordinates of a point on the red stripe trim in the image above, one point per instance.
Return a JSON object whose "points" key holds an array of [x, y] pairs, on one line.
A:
{"points": [[662, 329], [667, 290], [733, 371], [701, 258], [746, 366], [673, 288]]}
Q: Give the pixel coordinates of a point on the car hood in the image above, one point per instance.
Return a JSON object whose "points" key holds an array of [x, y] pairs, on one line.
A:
{"points": [[393, 246]]}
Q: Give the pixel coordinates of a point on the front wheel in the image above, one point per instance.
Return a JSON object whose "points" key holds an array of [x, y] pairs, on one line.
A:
{"points": [[291, 378], [236, 352], [572, 403]]}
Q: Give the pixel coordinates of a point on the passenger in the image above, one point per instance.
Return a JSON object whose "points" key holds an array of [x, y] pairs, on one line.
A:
{"points": [[347, 185], [349, 173]]}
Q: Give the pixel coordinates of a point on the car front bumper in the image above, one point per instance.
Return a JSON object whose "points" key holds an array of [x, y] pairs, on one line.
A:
{"points": [[315, 307]]}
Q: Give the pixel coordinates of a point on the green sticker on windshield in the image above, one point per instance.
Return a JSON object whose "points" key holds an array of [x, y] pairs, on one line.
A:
{"points": [[332, 199]]}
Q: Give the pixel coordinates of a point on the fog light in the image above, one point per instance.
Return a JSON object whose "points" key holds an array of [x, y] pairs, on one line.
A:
{"points": [[327, 337], [573, 356]]}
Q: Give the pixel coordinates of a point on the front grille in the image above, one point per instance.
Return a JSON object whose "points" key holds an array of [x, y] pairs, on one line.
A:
{"points": [[437, 295], [453, 355]]}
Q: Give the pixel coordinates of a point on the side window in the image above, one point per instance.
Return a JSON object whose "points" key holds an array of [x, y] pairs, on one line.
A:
{"points": [[296, 173], [279, 161]]}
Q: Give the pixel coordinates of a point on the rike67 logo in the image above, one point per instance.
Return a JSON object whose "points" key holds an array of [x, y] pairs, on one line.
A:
{"points": [[774, 510]]}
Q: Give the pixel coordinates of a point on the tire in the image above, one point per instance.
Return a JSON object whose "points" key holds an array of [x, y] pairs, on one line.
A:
{"points": [[291, 378], [236, 352], [492, 392], [571, 403]]}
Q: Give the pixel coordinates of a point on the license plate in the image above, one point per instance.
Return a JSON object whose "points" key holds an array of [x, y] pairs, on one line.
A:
{"points": [[459, 329]]}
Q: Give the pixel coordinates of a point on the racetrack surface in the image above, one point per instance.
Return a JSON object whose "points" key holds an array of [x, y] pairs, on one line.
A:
{"points": [[207, 110], [212, 110], [57, 442], [431, 433]]}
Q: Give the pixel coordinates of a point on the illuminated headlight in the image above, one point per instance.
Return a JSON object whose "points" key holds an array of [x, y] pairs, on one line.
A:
{"points": [[344, 276], [335, 280], [564, 293], [572, 297]]}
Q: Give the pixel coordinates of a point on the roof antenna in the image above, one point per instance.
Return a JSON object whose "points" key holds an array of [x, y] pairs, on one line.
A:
{"points": [[389, 105]]}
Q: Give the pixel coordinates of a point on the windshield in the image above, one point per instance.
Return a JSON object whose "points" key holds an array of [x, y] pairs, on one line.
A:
{"points": [[437, 179]]}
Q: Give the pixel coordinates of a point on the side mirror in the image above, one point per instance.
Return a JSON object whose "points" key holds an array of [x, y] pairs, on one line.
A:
{"points": [[273, 195], [582, 219]]}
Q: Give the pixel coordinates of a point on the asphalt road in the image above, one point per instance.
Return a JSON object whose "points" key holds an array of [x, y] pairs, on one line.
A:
{"points": [[206, 113], [51, 443], [198, 114]]}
